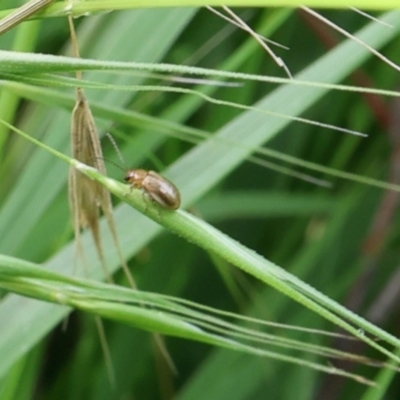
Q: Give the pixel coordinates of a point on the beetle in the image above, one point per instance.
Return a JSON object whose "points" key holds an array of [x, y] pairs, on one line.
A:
{"points": [[159, 189]]}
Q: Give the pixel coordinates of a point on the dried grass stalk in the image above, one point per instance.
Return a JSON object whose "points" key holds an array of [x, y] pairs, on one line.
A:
{"points": [[87, 197]]}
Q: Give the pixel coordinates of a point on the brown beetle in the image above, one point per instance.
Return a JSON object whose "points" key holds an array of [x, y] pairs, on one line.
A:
{"points": [[159, 189]]}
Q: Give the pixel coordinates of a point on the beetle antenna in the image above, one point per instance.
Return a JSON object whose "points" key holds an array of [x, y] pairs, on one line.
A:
{"points": [[110, 161], [116, 148]]}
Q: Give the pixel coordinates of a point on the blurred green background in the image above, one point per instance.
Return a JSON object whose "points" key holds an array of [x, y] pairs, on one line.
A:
{"points": [[342, 240]]}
